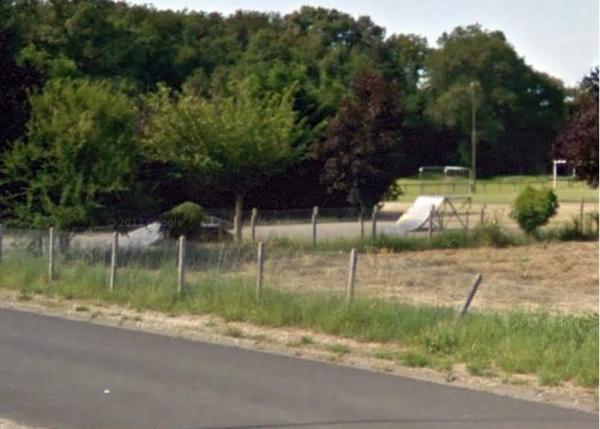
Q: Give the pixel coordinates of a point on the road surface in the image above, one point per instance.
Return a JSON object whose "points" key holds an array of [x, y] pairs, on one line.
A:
{"points": [[67, 374]]}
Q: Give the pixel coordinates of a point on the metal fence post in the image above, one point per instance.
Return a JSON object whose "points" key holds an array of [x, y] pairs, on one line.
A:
{"points": [[374, 221], [351, 277], [315, 213], [253, 223], [181, 265], [259, 269], [113, 260]]}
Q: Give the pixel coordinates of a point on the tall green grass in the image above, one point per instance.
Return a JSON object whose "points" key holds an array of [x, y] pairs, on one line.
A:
{"points": [[555, 347]]}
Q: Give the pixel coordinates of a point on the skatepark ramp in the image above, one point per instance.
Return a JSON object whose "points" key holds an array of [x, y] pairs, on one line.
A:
{"points": [[142, 237], [444, 210], [417, 216]]}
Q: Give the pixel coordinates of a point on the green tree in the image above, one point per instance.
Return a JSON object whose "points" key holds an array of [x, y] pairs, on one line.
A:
{"points": [[79, 151], [519, 111], [234, 142]]}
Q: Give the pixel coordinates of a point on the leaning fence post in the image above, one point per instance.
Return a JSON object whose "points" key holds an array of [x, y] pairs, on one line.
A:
{"points": [[253, 222], [431, 213], [374, 221], [1, 234], [259, 269], [351, 277], [113, 260], [471, 294], [315, 213], [181, 265], [51, 253]]}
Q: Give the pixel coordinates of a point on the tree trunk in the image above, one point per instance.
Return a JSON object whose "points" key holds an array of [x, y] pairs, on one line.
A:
{"points": [[237, 218]]}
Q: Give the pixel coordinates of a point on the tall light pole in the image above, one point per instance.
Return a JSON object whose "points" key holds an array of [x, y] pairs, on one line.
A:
{"points": [[473, 87]]}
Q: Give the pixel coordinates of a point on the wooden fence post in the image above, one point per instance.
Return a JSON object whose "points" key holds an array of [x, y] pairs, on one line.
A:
{"points": [[467, 220], [259, 269], [113, 260], [374, 221], [431, 213], [351, 277], [1, 234], [181, 265], [361, 222], [482, 215], [253, 223], [581, 212], [51, 253], [315, 213], [471, 294]]}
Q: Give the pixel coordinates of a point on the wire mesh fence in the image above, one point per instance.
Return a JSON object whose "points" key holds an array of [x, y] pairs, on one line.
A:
{"points": [[85, 265]]}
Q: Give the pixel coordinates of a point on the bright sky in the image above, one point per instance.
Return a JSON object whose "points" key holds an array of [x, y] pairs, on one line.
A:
{"points": [[559, 37]]}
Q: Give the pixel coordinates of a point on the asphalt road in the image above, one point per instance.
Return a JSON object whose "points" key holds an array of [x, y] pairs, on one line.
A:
{"points": [[66, 374]]}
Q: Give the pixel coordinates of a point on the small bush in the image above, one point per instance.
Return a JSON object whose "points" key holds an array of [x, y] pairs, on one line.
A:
{"points": [[184, 219], [533, 208], [491, 233], [440, 341], [414, 359]]}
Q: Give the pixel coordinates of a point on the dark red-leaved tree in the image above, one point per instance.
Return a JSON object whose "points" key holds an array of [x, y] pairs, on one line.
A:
{"points": [[578, 140], [362, 148]]}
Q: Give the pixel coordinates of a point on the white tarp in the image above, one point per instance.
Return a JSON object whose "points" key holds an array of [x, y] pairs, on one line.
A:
{"points": [[417, 215]]}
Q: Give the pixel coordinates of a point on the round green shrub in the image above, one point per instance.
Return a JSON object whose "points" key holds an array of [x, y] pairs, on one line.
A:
{"points": [[533, 208], [184, 219]]}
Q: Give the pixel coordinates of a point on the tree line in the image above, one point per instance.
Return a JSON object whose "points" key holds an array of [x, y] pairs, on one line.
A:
{"points": [[110, 110]]}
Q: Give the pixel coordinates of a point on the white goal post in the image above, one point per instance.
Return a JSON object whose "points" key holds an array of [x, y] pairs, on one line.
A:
{"points": [[452, 178]]}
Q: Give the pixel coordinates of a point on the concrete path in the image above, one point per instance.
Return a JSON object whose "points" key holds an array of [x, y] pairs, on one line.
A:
{"points": [[67, 374]]}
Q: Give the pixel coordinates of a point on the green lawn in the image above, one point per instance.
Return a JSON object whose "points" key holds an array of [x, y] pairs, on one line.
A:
{"points": [[498, 190]]}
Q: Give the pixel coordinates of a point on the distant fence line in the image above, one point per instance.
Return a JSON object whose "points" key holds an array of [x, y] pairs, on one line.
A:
{"points": [[462, 186]]}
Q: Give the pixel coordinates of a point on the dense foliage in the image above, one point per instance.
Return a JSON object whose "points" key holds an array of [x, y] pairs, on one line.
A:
{"points": [[534, 207], [363, 145], [232, 141], [293, 79], [578, 140], [78, 157], [184, 219]]}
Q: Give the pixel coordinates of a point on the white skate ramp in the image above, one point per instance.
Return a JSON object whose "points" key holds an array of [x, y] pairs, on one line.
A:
{"points": [[418, 214], [141, 237]]}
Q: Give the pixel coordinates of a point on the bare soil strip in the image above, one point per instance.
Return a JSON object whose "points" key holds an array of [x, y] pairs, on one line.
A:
{"points": [[556, 277]]}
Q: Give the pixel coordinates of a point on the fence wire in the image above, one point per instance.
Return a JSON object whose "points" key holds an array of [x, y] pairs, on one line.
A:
{"points": [[517, 276]]}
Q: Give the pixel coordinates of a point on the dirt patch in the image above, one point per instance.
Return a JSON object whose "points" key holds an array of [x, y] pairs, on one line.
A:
{"points": [[559, 277], [9, 424], [303, 343]]}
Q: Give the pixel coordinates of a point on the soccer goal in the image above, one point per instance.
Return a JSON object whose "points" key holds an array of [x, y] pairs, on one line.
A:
{"points": [[444, 179]]}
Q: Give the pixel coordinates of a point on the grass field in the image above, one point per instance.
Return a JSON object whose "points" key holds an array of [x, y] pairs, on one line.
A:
{"points": [[555, 347], [500, 190]]}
